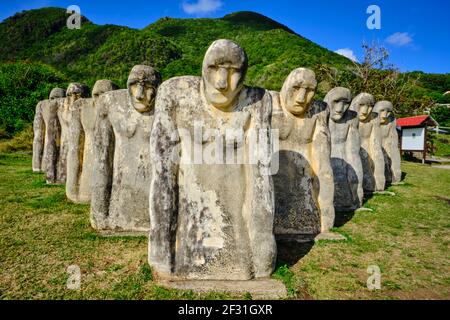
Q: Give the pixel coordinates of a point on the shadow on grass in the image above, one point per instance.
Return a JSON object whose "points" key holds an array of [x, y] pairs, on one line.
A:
{"points": [[291, 251], [341, 218]]}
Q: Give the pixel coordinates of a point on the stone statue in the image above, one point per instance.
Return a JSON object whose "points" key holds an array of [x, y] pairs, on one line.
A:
{"points": [[371, 152], [389, 142], [74, 92], [345, 146], [304, 183], [211, 219], [122, 169], [80, 161], [47, 132]]}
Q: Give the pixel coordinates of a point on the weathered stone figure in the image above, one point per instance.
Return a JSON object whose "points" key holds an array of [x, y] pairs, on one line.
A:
{"points": [[122, 168], [389, 142], [211, 220], [371, 152], [47, 132], [80, 161], [74, 92], [345, 146], [304, 183]]}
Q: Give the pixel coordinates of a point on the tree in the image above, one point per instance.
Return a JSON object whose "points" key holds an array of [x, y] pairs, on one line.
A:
{"points": [[376, 75]]}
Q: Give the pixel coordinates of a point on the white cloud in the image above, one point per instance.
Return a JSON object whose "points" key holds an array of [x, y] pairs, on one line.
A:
{"points": [[201, 6], [399, 39], [348, 53]]}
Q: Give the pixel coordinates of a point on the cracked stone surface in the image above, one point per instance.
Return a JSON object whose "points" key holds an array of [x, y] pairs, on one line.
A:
{"points": [[210, 221], [47, 135], [122, 168], [304, 182], [345, 146], [80, 158], [371, 151], [389, 142]]}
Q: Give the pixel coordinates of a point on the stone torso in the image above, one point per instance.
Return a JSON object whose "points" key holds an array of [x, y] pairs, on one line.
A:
{"points": [[391, 152], [87, 117], [48, 122], [346, 162], [296, 192], [132, 171], [213, 195]]}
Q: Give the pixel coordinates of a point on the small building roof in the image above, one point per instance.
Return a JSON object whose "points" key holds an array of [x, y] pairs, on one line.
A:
{"points": [[417, 121]]}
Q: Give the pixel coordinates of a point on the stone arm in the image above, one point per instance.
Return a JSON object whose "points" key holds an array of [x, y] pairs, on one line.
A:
{"points": [[164, 185], [378, 157], [60, 105], [395, 154], [321, 164], [354, 159], [102, 177], [38, 140], [260, 218], [52, 147], [74, 151]]}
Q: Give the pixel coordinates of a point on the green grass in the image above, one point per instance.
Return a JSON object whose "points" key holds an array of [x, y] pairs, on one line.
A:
{"points": [[41, 234], [442, 144]]}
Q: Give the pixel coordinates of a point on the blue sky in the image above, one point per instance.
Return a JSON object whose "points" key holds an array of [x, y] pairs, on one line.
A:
{"points": [[416, 33]]}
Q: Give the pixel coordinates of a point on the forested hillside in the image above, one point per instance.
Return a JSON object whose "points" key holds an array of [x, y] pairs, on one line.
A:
{"points": [[39, 41]]}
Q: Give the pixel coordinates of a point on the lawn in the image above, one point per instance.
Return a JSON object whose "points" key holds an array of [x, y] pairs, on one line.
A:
{"points": [[442, 144], [407, 236]]}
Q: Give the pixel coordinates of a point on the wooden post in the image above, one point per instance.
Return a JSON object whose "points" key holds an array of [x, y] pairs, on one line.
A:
{"points": [[425, 146]]}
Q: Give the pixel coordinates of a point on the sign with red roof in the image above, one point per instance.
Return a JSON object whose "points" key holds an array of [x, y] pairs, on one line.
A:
{"points": [[418, 121]]}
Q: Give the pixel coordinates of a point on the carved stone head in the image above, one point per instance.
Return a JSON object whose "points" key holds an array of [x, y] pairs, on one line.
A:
{"points": [[142, 84], [76, 91], [57, 93], [102, 86], [385, 111], [298, 91], [338, 100], [363, 104], [223, 73]]}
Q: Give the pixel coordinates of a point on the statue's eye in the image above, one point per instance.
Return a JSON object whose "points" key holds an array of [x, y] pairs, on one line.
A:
{"points": [[212, 67]]}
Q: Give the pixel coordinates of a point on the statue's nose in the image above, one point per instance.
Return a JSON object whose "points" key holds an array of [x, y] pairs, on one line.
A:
{"points": [[301, 96], [140, 92], [222, 80]]}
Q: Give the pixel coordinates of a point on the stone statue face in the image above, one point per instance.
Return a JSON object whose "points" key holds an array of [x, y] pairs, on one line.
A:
{"points": [[76, 91], [338, 99], [363, 104], [223, 72], [102, 86], [57, 93], [298, 91], [142, 84], [384, 110]]}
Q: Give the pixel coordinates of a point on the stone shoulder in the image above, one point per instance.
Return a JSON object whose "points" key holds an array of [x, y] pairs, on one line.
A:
{"points": [[80, 103], [319, 109], [178, 84]]}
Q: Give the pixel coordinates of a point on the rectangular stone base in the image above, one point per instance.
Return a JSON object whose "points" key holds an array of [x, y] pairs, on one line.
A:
{"points": [[260, 289], [330, 236], [111, 233]]}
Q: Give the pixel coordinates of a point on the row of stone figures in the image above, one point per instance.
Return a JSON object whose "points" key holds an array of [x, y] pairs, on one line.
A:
{"points": [[215, 220]]}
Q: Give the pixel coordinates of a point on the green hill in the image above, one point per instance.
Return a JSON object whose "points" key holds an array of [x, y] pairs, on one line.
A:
{"points": [[174, 46]]}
